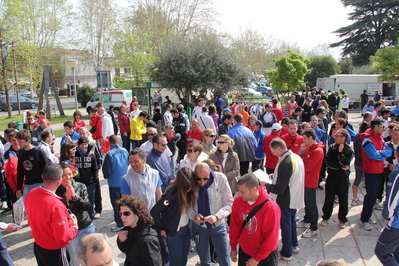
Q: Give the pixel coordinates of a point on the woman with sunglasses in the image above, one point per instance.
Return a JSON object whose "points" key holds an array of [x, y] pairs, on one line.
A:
{"points": [[193, 157], [138, 240], [67, 155], [208, 137], [171, 218], [227, 159], [75, 198]]}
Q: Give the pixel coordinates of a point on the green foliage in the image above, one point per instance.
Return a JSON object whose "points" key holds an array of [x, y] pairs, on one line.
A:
{"points": [[346, 65], [386, 62], [198, 66], [375, 25], [63, 92], [321, 67], [84, 94], [289, 73]]}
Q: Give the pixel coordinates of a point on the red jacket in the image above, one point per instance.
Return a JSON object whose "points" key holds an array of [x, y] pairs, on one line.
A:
{"points": [[96, 121], [124, 123], [194, 136], [260, 236], [293, 143], [48, 219], [369, 165], [278, 112], [271, 160], [312, 160]]}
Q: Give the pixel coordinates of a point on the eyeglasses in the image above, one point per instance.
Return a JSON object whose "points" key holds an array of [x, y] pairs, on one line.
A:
{"points": [[211, 136], [190, 150], [163, 144], [150, 134], [204, 178], [222, 142], [125, 213], [73, 149]]}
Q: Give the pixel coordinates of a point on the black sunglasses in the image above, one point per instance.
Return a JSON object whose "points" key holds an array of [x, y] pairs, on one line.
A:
{"points": [[163, 144], [211, 136], [190, 150], [125, 213], [204, 178], [222, 142], [150, 134]]}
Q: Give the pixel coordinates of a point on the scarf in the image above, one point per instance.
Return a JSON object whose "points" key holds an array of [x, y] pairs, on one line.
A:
{"points": [[203, 199]]}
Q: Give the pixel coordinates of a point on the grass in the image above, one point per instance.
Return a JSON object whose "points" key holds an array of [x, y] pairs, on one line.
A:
{"points": [[54, 120]]}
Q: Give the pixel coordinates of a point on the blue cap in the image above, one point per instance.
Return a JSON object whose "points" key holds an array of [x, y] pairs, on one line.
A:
{"points": [[226, 110]]}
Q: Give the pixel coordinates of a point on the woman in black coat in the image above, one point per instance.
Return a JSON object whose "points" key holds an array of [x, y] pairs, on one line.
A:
{"points": [[137, 239]]}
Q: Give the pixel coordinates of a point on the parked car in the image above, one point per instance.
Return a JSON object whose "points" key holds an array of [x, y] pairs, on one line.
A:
{"points": [[25, 93], [250, 92], [111, 97], [25, 103], [264, 90]]}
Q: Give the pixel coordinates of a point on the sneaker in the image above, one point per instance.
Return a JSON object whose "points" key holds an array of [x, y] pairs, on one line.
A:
{"points": [[341, 225], [97, 216], [366, 226], [6, 211], [324, 222], [336, 199], [297, 218], [295, 249], [379, 207], [4, 205], [372, 221], [309, 233], [320, 187], [116, 228], [284, 258], [302, 224], [192, 246], [356, 202]]}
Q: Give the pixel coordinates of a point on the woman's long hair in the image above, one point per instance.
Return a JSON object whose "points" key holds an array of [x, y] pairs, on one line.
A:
{"points": [[138, 207], [66, 146], [187, 188]]}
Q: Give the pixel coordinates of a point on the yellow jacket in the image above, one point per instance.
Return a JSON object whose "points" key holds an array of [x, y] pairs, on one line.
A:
{"points": [[137, 129]]}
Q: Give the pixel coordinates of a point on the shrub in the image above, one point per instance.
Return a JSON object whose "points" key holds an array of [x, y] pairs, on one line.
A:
{"points": [[63, 92], [84, 94]]}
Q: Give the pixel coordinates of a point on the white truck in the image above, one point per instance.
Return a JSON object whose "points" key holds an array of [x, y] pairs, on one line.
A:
{"points": [[353, 86]]}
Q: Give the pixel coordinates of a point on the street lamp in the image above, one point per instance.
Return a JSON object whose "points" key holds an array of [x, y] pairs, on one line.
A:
{"points": [[72, 64]]}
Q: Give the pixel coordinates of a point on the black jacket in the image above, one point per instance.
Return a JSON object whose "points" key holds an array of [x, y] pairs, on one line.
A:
{"points": [[336, 160], [166, 212], [141, 246], [88, 170], [79, 205]]}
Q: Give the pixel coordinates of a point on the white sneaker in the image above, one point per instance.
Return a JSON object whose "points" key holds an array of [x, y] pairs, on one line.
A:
{"points": [[97, 216], [324, 222], [4, 205], [366, 226], [302, 224], [309, 233]]}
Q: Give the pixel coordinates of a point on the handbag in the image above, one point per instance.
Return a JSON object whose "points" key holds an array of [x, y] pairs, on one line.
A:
{"points": [[253, 212]]}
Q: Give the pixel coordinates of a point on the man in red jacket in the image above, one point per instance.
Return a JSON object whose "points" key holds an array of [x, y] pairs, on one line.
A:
{"points": [[293, 140], [258, 238], [52, 227], [312, 155], [271, 160]]}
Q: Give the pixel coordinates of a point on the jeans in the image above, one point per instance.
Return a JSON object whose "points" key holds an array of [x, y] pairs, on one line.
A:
{"points": [[28, 188], [114, 195], [387, 248], [98, 205], [91, 193], [288, 231], [219, 239], [72, 248], [311, 212], [179, 246], [5, 258], [336, 185], [373, 182], [126, 141], [270, 260]]}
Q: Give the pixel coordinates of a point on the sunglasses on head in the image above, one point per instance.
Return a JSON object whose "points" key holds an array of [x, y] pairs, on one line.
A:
{"points": [[222, 142], [125, 213], [163, 144], [211, 136], [203, 178]]}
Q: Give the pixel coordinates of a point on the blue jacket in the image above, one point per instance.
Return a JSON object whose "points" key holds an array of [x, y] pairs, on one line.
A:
{"points": [[259, 136], [391, 203], [75, 136], [115, 165], [245, 142], [219, 102], [159, 161], [320, 135]]}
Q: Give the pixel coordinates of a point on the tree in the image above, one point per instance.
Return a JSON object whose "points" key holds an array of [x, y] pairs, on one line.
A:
{"points": [[346, 65], [321, 67], [376, 25], [197, 67], [386, 62], [289, 73]]}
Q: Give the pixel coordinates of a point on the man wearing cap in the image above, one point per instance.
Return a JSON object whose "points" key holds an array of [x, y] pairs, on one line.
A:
{"points": [[268, 119], [226, 125], [271, 160], [86, 162], [259, 153], [307, 110]]}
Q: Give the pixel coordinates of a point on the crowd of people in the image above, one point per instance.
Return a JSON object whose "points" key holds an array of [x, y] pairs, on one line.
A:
{"points": [[196, 183]]}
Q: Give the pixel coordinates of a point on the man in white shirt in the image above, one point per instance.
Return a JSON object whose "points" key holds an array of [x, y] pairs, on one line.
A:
{"points": [[198, 109], [167, 116], [147, 146], [205, 120], [107, 126], [135, 110]]}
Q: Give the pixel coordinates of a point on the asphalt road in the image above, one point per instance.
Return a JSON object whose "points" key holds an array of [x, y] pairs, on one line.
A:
{"points": [[66, 103]]}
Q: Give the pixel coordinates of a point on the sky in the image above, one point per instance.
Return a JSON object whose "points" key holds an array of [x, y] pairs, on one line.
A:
{"points": [[306, 22]]}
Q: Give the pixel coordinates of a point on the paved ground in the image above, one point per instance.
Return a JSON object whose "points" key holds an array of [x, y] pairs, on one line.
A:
{"points": [[352, 244]]}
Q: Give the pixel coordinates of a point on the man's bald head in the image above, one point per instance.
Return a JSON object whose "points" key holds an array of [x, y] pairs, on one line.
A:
{"points": [[94, 249], [202, 169]]}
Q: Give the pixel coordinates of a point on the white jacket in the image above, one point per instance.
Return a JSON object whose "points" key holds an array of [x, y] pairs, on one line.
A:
{"points": [[185, 162], [220, 199], [108, 127], [206, 121]]}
